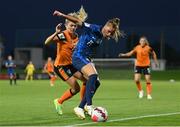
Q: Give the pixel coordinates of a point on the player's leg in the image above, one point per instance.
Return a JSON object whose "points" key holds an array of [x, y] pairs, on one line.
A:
{"points": [[68, 93], [79, 76], [53, 78], [137, 78], [148, 86], [66, 74], [74, 89], [147, 72], [26, 77], [31, 77], [90, 71], [14, 78], [86, 67], [10, 78]]}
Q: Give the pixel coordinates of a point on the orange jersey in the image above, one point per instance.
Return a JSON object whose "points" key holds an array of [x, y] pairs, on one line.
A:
{"points": [[65, 47], [49, 67], [142, 55]]}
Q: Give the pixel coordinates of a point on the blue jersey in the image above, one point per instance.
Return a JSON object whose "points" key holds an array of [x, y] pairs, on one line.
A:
{"points": [[89, 39], [10, 66]]}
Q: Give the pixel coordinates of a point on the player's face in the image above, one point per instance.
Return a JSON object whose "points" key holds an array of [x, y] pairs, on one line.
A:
{"points": [[9, 57], [71, 27], [49, 59], [142, 41], [108, 31]]}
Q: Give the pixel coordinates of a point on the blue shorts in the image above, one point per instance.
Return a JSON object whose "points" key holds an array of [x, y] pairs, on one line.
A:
{"points": [[80, 61], [11, 72]]}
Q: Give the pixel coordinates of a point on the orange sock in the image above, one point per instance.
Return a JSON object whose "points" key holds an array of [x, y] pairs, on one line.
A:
{"points": [[82, 91], [67, 94], [149, 87], [139, 87], [53, 79]]}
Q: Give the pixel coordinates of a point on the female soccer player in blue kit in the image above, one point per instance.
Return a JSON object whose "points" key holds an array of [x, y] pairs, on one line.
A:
{"points": [[89, 39], [10, 65]]}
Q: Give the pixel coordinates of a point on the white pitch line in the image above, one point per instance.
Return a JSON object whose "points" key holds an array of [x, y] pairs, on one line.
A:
{"points": [[128, 118]]}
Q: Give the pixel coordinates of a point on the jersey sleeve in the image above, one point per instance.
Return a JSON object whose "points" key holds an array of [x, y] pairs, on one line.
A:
{"points": [[134, 50]]}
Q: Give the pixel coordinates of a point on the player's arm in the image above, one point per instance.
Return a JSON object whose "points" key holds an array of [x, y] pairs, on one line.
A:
{"points": [[71, 18], [45, 68], [54, 37], [6, 64], [155, 58], [128, 54], [25, 70], [34, 68]]}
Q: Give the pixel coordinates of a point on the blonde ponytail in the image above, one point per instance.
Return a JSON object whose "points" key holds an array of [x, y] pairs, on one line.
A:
{"points": [[81, 14], [115, 22]]}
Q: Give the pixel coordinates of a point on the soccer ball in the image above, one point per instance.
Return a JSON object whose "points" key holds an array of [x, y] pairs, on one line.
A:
{"points": [[99, 114]]}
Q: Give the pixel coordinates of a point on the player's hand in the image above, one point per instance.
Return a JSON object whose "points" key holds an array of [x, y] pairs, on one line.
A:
{"points": [[57, 13], [58, 28], [157, 64], [121, 54]]}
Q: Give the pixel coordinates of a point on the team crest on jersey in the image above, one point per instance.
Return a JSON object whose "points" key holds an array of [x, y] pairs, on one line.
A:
{"points": [[68, 71], [90, 43]]}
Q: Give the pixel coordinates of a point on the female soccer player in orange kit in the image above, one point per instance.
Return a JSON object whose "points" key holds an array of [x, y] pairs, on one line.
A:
{"points": [[66, 41], [49, 68], [142, 64]]}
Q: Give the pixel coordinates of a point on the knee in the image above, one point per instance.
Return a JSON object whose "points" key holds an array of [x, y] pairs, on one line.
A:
{"points": [[75, 90], [137, 81], [93, 76], [148, 82]]}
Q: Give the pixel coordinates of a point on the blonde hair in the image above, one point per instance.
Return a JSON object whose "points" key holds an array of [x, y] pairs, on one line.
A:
{"points": [[115, 22], [81, 15]]}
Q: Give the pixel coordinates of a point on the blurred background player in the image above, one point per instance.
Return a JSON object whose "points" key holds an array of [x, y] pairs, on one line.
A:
{"points": [[91, 38], [10, 65], [142, 64], [66, 41], [49, 69], [29, 71]]}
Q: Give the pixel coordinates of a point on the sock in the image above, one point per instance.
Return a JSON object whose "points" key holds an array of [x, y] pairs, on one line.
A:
{"points": [[82, 91], [67, 94], [31, 77], [26, 77], [53, 78], [138, 84], [149, 88], [90, 88], [10, 81], [97, 85], [90, 91], [14, 78], [15, 81]]}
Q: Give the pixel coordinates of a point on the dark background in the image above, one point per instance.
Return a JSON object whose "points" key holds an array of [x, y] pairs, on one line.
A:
{"points": [[27, 23]]}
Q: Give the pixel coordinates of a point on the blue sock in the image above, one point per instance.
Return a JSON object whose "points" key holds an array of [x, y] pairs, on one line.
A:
{"points": [[90, 90], [83, 102], [97, 85]]}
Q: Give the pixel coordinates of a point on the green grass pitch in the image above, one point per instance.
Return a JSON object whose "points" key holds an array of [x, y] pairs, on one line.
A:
{"points": [[31, 103]]}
